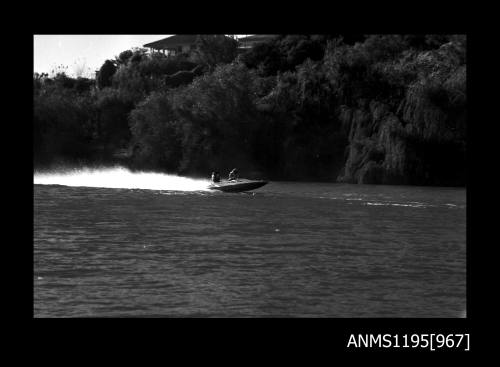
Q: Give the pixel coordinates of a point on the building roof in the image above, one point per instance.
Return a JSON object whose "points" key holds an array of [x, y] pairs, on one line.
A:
{"points": [[257, 38], [173, 41]]}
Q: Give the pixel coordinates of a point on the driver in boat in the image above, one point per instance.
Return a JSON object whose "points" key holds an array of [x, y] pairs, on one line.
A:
{"points": [[215, 176], [233, 175]]}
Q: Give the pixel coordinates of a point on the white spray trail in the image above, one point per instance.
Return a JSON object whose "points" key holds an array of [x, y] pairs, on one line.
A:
{"points": [[121, 178]]}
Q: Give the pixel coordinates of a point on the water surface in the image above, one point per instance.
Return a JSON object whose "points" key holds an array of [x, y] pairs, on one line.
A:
{"points": [[288, 249]]}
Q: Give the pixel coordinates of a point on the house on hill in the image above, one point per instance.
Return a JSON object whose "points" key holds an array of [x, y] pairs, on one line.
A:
{"points": [[246, 43], [185, 43], [179, 43]]}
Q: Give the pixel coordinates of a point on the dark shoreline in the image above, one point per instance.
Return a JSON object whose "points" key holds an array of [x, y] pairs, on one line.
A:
{"points": [[62, 167]]}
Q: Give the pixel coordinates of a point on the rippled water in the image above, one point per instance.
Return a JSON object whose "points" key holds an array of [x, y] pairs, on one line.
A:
{"points": [[289, 249]]}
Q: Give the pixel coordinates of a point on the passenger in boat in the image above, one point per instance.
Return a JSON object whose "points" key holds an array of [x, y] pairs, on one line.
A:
{"points": [[233, 175], [215, 176]]}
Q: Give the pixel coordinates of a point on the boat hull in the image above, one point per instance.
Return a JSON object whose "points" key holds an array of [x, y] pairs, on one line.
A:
{"points": [[237, 186]]}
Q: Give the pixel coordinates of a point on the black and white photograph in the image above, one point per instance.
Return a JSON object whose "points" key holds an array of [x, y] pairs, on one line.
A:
{"points": [[250, 175]]}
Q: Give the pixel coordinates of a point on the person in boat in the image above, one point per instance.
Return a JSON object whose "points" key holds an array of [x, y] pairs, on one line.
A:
{"points": [[233, 175], [215, 176]]}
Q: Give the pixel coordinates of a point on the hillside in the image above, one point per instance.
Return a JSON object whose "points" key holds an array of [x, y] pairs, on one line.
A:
{"points": [[377, 109]]}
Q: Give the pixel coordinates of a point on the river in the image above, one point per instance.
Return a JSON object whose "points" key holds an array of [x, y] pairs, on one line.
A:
{"points": [[126, 248]]}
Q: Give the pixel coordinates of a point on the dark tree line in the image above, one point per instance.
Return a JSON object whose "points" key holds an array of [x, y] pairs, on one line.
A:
{"points": [[296, 107]]}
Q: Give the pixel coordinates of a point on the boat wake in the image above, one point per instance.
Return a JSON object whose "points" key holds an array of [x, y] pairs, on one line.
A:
{"points": [[120, 178]]}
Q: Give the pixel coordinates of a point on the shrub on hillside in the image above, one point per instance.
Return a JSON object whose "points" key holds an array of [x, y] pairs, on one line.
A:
{"points": [[156, 139]]}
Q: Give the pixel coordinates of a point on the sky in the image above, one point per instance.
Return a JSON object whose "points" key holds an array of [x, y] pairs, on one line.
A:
{"points": [[87, 52]]}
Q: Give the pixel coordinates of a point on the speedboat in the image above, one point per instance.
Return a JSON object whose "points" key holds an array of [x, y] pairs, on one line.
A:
{"points": [[238, 185]]}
